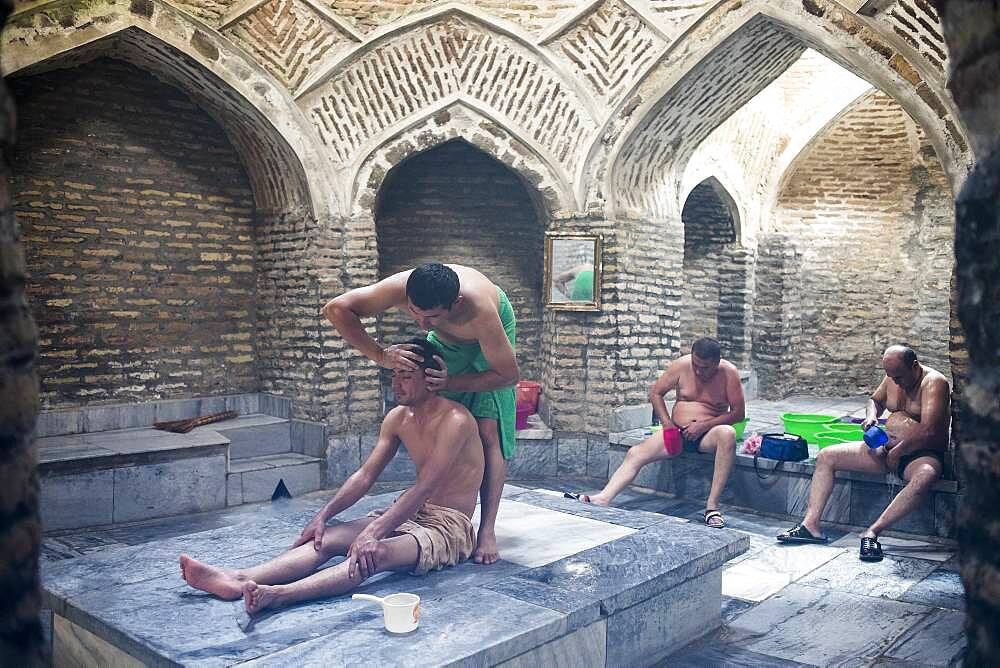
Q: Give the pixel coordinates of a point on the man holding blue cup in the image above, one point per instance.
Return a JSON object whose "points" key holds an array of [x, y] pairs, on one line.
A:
{"points": [[912, 445]]}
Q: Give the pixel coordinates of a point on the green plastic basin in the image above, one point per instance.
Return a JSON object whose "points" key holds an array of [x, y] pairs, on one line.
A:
{"points": [[825, 438], [806, 425], [846, 428], [739, 427]]}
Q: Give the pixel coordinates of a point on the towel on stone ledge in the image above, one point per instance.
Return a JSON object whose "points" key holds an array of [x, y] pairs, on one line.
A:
{"points": [[462, 358]]}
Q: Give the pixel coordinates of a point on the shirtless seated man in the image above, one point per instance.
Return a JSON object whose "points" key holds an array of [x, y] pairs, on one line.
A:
{"points": [[709, 401], [428, 527], [918, 400]]}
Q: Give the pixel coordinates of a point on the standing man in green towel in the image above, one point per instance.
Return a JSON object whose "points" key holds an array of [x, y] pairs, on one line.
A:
{"points": [[471, 321]]}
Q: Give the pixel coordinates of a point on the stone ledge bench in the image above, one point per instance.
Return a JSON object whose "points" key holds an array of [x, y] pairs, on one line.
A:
{"points": [[857, 499], [639, 587], [106, 465]]}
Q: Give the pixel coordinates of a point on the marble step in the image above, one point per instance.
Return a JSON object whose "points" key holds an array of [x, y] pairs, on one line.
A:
{"points": [[254, 435], [127, 475], [253, 479]]}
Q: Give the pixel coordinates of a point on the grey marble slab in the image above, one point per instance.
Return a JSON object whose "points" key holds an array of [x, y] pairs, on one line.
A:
{"points": [[635, 519], [298, 477], [226, 545], [55, 423], [77, 499], [343, 457], [597, 460], [623, 572], [447, 636], [664, 623], [941, 589], [62, 448], [938, 640], [771, 569], [533, 459], [822, 627], [888, 578], [869, 500], [583, 648], [571, 456], [838, 507], [264, 435], [580, 609], [713, 653], [169, 488]]}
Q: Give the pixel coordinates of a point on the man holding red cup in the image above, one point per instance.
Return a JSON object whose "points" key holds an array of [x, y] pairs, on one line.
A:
{"points": [[709, 401]]}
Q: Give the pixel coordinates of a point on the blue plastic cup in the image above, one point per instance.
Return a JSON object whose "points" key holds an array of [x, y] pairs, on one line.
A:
{"points": [[876, 437]]}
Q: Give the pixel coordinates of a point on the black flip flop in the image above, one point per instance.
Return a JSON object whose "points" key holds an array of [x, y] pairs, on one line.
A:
{"points": [[711, 514], [800, 534], [582, 498], [871, 550]]}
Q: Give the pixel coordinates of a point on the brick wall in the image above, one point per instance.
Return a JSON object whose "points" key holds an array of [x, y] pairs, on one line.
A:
{"points": [[716, 274], [456, 204], [870, 208], [137, 220]]}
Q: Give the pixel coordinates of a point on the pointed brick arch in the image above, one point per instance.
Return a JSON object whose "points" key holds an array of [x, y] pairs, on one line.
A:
{"points": [[273, 138], [678, 111]]}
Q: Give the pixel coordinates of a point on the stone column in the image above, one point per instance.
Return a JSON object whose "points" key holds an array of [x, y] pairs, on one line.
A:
{"points": [[20, 529], [776, 314], [972, 31]]}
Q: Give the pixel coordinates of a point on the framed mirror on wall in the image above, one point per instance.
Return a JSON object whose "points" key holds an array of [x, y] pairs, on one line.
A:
{"points": [[573, 271]]}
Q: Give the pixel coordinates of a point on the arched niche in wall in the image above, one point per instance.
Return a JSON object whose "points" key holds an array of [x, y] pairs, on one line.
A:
{"points": [[869, 207], [138, 219], [454, 203], [717, 286]]}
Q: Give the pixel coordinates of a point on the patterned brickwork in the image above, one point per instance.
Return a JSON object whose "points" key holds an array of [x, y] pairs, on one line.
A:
{"points": [[275, 173], [738, 68], [455, 204], [870, 209], [452, 56], [137, 220], [917, 23], [369, 15], [609, 48], [209, 11], [289, 38]]}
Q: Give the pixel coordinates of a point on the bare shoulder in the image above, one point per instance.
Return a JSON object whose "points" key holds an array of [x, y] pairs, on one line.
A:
{"points": [[395, 417], [681, 363], [729, 369], [936, 380], [458, 417]]}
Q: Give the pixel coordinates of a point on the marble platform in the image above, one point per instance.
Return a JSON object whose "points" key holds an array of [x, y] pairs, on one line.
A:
{"points": [[579, 585]]}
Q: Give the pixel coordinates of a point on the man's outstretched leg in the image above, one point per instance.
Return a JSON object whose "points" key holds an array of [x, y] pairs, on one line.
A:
{"points": [[637, 456], [840, 457], [396, 553], [489, 493], [291, 565]]}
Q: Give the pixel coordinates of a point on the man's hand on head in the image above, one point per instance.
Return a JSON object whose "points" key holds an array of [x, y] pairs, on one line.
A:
{"points": [[437, 380], [401, 357], [362, 557]]}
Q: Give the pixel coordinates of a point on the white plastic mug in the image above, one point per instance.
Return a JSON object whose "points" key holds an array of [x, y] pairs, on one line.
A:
{"points": [[400, 612]]}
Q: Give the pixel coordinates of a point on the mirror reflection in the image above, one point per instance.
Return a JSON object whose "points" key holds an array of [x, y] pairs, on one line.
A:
{"points": [[573, 269]]}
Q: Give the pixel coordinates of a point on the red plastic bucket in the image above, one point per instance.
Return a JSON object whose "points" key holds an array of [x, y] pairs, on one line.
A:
{"points": [[527, 393], [524, 411]]}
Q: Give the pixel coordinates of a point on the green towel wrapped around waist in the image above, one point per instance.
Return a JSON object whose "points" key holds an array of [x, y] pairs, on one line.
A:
{"points": [[463, 358]]}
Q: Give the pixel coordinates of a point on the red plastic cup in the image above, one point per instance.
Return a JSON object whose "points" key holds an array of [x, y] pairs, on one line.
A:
{"points": [[672, 442]]}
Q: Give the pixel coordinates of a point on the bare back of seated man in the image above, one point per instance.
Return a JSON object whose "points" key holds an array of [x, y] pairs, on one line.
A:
{"points": [[918, 399], [709, 401], [428, 527], [472, 320]]}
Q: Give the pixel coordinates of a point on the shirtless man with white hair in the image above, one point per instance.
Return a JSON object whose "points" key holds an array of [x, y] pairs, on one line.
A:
{"points": [[918, 400]]}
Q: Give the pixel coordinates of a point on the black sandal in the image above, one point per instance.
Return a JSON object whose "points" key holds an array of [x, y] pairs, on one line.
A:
{"points": [[871, 550], [582, 498], [800, 534], [711, 515]]}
